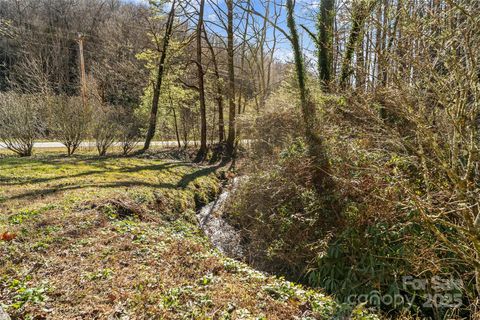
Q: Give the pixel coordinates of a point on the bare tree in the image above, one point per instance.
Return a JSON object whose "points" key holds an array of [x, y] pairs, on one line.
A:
{"points": [[21, 121], [231, 81], [129, 130], [105, 127], [202, 152], [69, 121], [218, 88]]}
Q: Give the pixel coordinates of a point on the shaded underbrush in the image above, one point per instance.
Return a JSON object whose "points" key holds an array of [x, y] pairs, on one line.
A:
{"points": [[374, 236]]}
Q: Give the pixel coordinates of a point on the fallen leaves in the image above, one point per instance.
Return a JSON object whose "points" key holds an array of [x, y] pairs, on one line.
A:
{"points": [[8, 236]]}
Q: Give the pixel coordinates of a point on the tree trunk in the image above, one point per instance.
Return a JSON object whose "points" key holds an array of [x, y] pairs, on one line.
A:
{"points": [[391, 41], [325, 23], [184, 127], [219, 93], [175, 123], [360, 74], [308, 108], [242, 66], [158, 84], [202, 152], [361, 10], [231, 82]]}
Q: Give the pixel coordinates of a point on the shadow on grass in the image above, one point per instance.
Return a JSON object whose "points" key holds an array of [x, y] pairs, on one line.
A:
{"points": [[158, 167], [53, 190], [189, 178], [183, 183]]}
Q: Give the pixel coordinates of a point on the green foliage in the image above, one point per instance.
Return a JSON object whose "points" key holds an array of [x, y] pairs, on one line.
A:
{"points": [[297, 149], [103, 274], [24, 294], [206, 280], [374, 257], [173, 95], [28, 214], [321, 306]]}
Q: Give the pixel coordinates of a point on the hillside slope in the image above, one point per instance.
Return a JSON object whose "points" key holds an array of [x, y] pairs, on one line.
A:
{"points": [[90, 238]]}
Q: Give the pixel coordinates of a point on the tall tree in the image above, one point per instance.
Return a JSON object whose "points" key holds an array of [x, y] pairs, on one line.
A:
{"points": [[392, 37], [218, 88], [325, 24], [308, 108], [231, 81], [202, 152], [158, 83], [361, 10], [242, 61]]}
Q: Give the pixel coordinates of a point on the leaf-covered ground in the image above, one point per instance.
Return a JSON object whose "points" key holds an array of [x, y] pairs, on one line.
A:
{"points": [[116, 238]]}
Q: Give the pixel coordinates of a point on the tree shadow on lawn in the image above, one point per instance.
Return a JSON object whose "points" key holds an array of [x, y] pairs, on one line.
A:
{"points": [[158, 167], [57, 189], [183, 183], [191, 177]]}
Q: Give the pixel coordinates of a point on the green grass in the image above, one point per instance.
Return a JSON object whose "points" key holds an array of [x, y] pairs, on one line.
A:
{"points": [[46, 179], [114, 237]]}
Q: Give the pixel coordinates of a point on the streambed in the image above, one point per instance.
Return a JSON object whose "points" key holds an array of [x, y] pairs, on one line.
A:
{"points": [[212, 221]]}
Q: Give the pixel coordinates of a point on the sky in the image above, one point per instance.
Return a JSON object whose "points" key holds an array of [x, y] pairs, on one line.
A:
{"points": [[305, 10]]}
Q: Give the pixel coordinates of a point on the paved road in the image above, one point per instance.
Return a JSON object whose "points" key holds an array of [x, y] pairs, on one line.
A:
{"points": [[91, 144]]}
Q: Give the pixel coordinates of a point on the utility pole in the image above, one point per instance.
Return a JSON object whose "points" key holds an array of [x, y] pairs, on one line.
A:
{"points": [[83, 81]]}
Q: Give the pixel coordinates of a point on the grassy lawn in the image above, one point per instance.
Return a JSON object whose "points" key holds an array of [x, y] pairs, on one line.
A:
{"points": [[99, 238], [46, 179]]}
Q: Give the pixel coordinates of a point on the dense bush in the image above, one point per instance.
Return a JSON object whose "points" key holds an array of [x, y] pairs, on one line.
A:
{"points": [[379, 222], [105, 127], [69, 121], [278, 124], [285, 222], [283, 219], [25, 118], [129, 130], [21, 121]]}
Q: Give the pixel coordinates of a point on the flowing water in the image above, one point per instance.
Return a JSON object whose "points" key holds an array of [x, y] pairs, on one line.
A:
{"points": [[212, 221]]}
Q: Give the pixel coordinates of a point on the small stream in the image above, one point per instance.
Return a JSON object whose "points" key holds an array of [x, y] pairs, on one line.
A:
{"points": [[211, 220]]}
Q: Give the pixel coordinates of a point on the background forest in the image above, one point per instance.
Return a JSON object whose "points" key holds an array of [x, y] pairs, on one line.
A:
{"points": [[353, 123]]}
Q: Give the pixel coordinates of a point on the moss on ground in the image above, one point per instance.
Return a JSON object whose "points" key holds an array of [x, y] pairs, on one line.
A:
{"points": [[116, 238]]}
